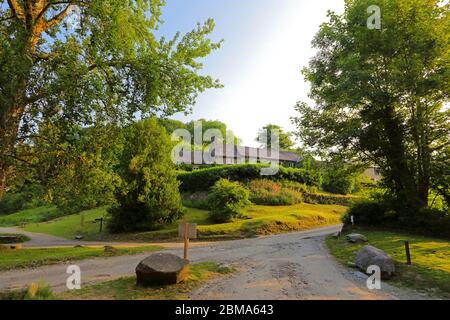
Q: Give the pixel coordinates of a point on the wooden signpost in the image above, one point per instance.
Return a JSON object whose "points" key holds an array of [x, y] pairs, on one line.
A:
{"points": [[187, 231]]}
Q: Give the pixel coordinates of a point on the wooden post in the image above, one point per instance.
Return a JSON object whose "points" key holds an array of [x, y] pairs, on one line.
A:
{"points": [[186, 241], [82, 220], [408, 253], [101, 225]]}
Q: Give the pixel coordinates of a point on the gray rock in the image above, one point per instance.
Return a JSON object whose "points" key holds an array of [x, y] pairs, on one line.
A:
{"points": [[356, 238], [162, 269], [79, 238], [371, 256]]}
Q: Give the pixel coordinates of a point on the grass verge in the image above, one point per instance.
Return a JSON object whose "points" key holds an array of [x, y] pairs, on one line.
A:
{"points": [[74, 225], [31, 258], [126, 289], [430, 272], [255, 221]]}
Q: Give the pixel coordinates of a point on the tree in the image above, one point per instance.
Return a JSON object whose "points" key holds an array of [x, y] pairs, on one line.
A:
{"points": [[77, 167], [149, 195], [381, 94], [105, 70], [211, 125], [283, 138]]}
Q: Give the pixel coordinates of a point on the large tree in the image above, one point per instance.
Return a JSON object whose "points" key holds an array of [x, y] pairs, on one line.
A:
{"points": [[108, 68], [381, 94]]}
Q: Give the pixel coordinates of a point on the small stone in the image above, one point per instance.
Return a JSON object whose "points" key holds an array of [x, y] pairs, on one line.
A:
{"points": [[356, 238], [79, 238]]}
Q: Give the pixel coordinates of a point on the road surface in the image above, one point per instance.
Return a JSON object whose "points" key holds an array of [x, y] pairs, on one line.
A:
{"points": [[289, 266]]}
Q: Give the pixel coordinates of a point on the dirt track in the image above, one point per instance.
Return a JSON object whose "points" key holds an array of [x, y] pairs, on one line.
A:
{"points": [[291, 266]]}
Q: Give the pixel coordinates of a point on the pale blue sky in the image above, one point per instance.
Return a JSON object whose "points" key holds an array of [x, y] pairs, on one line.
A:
{"points": [[267, 42]]}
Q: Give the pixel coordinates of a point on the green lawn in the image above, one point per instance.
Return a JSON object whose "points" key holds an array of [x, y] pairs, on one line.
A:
{"points": [[30, 216], [70, 226], [257, 220], [430, 271], [126, 289], [26, 258]]}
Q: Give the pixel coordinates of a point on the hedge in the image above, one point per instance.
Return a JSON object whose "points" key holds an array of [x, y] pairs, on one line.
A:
{"points": [[203, 180]]}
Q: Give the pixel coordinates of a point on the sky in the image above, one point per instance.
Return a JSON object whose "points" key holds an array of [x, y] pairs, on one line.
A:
{"points": [[266, 44]]}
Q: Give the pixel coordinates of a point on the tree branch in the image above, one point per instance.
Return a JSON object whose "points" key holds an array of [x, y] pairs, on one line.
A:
{"points": [[17, 10]]}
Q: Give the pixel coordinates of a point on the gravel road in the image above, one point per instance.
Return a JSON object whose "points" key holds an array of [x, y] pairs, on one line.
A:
{"points": [[290, 266]]}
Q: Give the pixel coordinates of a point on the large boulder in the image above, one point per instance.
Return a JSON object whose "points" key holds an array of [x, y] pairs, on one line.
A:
{"points": [[162, 269], [371, 256], [356, 238]]}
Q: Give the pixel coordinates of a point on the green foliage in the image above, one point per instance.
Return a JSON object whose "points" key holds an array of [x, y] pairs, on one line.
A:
{"points": [[79, 166], [149, 196], [380, 95], [381, 214], [339, 179], [227, 199], [322, 198], [202, 180], [104, 73], [282, 139], [267, 192], [35, 215], [29, 197]]}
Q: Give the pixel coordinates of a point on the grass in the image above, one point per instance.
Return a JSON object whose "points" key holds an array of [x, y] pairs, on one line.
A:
{"points": [[430, 271], [30, 258], [126, 289], [70, 226], [30, 216], [256, 220], [18, 238]]}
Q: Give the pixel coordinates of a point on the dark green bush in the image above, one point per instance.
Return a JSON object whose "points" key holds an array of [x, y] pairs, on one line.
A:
{"points": [[226, 200], [202, 180], [149, 196], [426, 221]]}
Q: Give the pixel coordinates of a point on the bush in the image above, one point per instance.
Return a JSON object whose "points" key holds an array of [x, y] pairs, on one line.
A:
{"points": [[150, 196], [202, 180], [426, 221], [226, 200], [267, 192], [340, 180]]}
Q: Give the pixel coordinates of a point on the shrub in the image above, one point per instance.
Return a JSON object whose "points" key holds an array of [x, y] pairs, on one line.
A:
{"points": [[202, 180], [226, 200], [340, 180], [381, 214], [267, 192], [150, 196]]}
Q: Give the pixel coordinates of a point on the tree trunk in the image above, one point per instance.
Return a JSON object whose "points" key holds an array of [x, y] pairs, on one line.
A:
{"points": [[3, 170], [401, 175]]}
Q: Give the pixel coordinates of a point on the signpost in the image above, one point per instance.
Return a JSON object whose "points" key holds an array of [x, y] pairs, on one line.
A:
{"points": [[187, 231], [408, 253], [101, 223]]}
